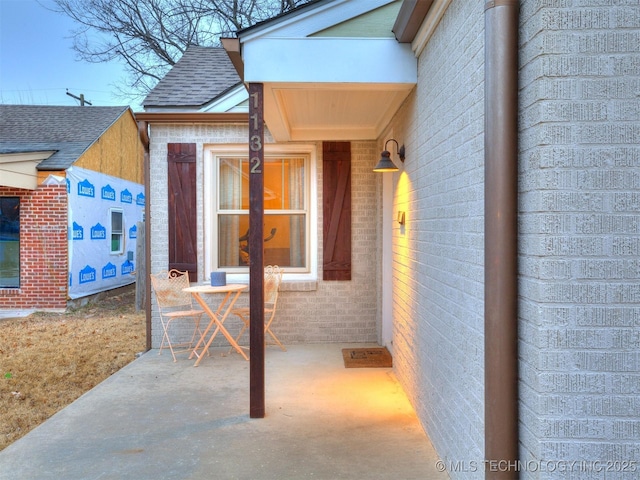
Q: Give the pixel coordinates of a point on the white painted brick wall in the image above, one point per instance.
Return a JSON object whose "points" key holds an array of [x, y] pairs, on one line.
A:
{"points": [[308, 312], [438, 261], [580, 226]]}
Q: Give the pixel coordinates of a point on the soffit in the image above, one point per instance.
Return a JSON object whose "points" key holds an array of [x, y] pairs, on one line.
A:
{"points": [[305, 112]]}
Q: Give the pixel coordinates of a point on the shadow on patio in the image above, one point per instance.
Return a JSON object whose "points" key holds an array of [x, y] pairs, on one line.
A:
{"points": [[156, 419]]}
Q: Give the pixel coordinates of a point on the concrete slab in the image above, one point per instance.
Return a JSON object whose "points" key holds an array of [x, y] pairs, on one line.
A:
{"points": [[7, 313], [156, 419]]}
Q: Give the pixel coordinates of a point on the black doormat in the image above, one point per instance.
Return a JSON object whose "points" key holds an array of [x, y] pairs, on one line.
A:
{"points": [[372, 357]]}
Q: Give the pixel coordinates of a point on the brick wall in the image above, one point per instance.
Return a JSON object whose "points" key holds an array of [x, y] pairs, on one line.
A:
{"points": [[43, 249], [579, 190], [580, 232], [308, 312], [438, 255]]}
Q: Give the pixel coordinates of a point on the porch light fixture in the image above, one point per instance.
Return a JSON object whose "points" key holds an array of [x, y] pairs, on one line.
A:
{"points": [[386, 164]]}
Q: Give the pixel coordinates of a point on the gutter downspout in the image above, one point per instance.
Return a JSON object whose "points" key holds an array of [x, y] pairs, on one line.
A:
{"points": [[143, 130], [501, 238]]}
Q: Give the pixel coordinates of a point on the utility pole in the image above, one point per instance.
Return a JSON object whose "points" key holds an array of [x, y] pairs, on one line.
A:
{"points": [[80, 98]]}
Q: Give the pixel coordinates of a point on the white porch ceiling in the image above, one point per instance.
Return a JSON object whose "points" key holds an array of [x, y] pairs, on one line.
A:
{"points": [[305, 112]]}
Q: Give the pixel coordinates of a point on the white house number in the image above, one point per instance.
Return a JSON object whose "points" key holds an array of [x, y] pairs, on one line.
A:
{"points": [[255, 142]]}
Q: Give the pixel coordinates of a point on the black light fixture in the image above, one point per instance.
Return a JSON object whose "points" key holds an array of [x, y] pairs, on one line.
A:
{"points": [[386, 164]]}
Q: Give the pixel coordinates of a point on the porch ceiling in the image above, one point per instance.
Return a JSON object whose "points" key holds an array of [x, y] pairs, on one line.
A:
{"points": [[305, 112]]}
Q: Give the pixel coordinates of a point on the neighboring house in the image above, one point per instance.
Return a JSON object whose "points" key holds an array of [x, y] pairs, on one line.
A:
{"points": [[500, 264], [71, 198]]}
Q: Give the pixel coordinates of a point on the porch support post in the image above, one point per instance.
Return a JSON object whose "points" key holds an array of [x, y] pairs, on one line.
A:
{"points": [[256, 251], [501, 238]]}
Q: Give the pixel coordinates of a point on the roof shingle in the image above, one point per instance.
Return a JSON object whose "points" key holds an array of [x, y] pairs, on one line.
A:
{"points": [[202, 75], [68, 130]]}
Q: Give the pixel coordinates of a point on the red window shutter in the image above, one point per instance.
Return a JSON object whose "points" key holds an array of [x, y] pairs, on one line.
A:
{"points": [[336, 214], [181, 165]]}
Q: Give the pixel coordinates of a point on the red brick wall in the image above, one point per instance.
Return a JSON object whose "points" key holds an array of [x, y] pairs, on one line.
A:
{"points": [[43, 249]]}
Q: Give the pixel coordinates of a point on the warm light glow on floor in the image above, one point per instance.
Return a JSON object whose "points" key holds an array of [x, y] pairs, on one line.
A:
{"points": [[354, 391]]}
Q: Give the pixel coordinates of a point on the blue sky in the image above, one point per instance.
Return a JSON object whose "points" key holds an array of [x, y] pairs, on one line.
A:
{"points": [[38, 65]]}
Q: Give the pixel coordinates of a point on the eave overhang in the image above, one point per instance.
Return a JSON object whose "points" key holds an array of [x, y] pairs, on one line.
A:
{"points": [[410, 18], [328, 60], [338, 88], [190, 117], [20, 170]]}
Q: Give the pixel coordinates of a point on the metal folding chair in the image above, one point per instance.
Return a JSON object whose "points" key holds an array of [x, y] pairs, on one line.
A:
{"points": [[272, 281], [175, 304]]}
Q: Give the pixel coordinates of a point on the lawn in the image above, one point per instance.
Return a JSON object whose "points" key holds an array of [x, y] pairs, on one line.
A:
{"points": [[48, 360]]}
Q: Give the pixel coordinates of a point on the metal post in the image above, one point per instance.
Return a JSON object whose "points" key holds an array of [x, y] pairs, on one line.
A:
{"points": [[256, 252], [501, 236]]}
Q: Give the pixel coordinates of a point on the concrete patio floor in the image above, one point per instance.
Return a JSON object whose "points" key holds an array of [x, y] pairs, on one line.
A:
{"points": [[156, 419]]}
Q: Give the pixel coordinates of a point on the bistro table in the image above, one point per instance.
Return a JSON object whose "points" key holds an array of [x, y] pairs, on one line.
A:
{"points": [[218, 317]]}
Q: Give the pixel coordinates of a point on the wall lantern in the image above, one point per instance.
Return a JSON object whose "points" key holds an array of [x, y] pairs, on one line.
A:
{"points": [[385, 164]]}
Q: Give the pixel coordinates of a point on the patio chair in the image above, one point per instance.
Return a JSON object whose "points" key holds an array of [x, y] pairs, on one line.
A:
{"points": [[272, 281], [175, 304]]}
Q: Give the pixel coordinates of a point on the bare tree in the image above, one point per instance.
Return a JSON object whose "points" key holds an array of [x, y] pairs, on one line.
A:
{"points": [[149, 36]]}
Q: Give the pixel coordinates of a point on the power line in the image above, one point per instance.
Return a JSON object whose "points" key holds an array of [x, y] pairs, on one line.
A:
{"points": [[80, 98]]}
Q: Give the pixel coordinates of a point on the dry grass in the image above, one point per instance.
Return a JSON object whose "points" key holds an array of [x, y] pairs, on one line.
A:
{"points": [[48, 360]]}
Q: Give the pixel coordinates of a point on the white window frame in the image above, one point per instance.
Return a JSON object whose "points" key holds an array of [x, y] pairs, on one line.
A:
{"points": [[211, 154], [112, 232]]}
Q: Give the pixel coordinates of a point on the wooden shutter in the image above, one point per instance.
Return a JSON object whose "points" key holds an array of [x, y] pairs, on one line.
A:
{"points": [[181, 166], [336, 210]]}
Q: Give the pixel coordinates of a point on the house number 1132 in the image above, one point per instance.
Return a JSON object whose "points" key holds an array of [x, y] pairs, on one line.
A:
{"points": [[255, 141]]}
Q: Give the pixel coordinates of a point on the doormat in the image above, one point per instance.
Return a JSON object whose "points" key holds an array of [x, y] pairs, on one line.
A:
{"points": [[372, 357]]}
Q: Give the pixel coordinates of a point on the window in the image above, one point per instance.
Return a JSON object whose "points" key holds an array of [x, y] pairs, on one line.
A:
{"points": [[9, 242], [287, 224], [117, 231]]}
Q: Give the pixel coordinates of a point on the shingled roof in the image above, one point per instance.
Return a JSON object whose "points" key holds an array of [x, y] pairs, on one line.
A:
{"points": [[66, 130], [202, 75]]}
